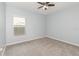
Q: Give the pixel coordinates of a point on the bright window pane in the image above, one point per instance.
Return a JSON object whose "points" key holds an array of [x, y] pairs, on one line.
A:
{"points": [[17, 21], [19, 26]]}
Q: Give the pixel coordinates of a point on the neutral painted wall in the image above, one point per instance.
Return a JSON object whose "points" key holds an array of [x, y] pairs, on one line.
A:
{"points": [[35, 25], [2, 24], [64, 25]]}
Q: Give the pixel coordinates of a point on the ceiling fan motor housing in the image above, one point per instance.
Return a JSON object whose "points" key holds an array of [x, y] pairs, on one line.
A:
{"points": [[45, 5]]}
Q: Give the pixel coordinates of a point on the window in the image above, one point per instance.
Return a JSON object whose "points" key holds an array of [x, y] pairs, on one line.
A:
{"points": [[17, 21], [19, 25]]}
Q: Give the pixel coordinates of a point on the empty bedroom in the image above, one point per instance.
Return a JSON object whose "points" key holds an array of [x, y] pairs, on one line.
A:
{"points": [[39, 28]]}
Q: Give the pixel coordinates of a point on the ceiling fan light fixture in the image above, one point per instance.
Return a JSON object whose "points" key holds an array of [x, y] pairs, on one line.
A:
{"points": [[45, 7]]}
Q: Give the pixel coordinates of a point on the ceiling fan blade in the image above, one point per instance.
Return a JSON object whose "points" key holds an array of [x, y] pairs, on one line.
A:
{"points": [[40, 7], [40, 3], [51, 4], [47, 2]]}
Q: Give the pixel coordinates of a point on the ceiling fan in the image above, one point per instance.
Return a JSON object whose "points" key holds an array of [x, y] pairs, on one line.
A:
{"points": [[45, 5]]}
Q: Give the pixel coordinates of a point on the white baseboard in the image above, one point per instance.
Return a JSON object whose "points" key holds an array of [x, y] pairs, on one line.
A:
{"points": [[12, 43], [3, 51], [17, 42], [51, 37]]}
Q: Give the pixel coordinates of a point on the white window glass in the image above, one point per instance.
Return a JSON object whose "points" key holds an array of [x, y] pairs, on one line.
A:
{"points": [[19, 25], [18, 21]]}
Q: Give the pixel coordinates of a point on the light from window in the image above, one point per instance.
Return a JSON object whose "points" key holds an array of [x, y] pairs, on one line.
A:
{"points": [[18, 21], [19, 26]]}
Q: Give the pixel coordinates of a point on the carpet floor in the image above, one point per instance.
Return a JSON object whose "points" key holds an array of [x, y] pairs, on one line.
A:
{"points": [[42, 47]]}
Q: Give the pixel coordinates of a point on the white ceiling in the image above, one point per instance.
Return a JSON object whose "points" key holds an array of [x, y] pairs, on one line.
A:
{"points": [[32, 6]]}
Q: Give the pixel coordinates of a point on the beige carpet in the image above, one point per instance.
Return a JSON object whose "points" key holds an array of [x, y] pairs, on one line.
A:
{"points": [[42, 47]]}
